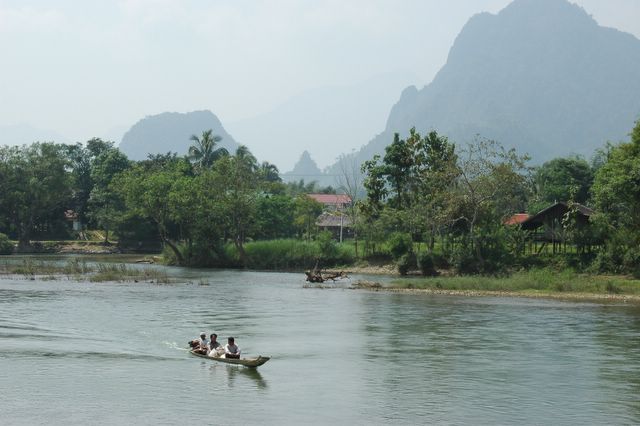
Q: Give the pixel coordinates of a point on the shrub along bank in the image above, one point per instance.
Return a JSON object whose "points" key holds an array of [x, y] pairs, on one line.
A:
{"points": [[289, 254]]}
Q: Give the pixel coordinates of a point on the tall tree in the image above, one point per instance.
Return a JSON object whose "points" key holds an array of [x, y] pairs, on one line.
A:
{"points": [[156, 195], [490, 187], [104, 203], [617, 187], [36, 187]]}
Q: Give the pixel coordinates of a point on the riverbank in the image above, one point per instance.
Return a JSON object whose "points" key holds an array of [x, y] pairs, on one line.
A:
{"points": [[567, 297], [535, 283]]}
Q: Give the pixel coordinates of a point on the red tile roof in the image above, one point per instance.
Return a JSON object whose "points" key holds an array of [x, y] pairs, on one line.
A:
{"points": [[517, 219], [333, 199]]}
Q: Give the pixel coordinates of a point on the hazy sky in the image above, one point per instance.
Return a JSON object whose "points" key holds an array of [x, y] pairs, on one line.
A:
{"points": [[83, 68]]}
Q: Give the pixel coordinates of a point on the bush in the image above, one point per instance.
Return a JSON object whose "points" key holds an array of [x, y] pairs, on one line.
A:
{"points": [[399, 244], [464, 261], [491, 256], [293, 254], [440, 260], [6, 246], [426, 264], [328, 247], [406, 263], [631, 262]]}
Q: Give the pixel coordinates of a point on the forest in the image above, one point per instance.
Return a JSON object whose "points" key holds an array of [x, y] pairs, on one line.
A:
{"points": [[427, 204]]}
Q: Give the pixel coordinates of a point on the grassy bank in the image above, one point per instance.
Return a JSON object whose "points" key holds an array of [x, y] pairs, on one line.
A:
{"points": [[288, 254], [534, 281]]}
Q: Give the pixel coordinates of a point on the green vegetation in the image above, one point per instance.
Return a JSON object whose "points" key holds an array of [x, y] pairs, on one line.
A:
{"points": [[453, 201], [6, 246], [426, 205], [289, 254], [78, 269]]}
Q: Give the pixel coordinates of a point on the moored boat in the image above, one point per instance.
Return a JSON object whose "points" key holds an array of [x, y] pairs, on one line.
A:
{"points": [[247, 362]]}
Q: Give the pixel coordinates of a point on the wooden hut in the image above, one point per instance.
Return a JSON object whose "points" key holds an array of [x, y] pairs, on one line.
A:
{"points": [[547, 225]]}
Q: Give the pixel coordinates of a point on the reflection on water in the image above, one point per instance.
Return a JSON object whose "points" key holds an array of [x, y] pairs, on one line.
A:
{"points": [[116, 353]]}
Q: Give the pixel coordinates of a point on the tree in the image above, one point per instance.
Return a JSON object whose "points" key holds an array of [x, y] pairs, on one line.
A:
{"points": [[104, 203], [203, 151], [155, 195], [239, 178], [489, 188], [269, 172], [36, 188], [558, 179], [307, 211], [414, 179], [616, 191], [617, 184], [349, 181], [274, 216], [434, 175], [398, 161]]}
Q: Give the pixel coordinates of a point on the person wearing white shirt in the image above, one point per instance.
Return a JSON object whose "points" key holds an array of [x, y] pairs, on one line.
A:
{"points": [[231, 350]]}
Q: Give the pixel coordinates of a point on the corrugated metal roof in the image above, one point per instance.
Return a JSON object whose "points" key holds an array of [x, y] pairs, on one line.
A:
{"points": [[333, 220], [333, 199]]}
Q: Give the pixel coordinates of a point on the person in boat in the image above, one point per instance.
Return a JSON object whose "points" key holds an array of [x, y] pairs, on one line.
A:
{"points": [[231, 350], [200, 345], [215, 348]]}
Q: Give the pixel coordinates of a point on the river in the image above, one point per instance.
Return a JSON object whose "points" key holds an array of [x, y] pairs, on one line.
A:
{"points": [[113, 353]]}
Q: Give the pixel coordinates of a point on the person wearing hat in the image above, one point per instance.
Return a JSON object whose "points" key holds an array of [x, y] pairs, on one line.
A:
{"points": [[200, 345]]}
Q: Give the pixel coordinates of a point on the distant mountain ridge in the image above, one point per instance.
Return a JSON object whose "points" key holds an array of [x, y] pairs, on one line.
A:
{"points": [[170, 132], [540, 76], [324, 120]]}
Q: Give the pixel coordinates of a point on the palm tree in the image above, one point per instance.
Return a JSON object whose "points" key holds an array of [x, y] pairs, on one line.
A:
{"points": [[269, 172], [246, 159], [203, 151]]}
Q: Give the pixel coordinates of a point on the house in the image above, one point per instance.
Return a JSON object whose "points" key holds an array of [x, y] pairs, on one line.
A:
{"points": [[332, 202], [547, 225], [553, 215], [339, 224]]}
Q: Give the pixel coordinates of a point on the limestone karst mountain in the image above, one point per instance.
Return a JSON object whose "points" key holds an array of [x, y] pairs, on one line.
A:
{"points": [[540, 76], [306, 169], [170, 132]]}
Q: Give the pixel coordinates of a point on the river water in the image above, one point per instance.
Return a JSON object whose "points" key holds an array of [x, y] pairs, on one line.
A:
{"points": [[111, 353]]}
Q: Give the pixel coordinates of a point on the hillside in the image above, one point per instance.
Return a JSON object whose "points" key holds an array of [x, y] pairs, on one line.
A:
{"points": [[540, 76], [170, 132]]}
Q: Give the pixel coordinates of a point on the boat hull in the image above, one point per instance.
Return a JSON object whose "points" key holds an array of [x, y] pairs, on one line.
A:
{"points": [[247, 362]]}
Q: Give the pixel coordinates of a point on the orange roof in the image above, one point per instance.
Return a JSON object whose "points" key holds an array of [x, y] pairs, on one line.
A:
{"points": [[334, 199], [516, 219]]}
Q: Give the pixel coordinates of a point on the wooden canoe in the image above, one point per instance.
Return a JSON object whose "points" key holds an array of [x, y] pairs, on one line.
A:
{"points": [[247, 362]]}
